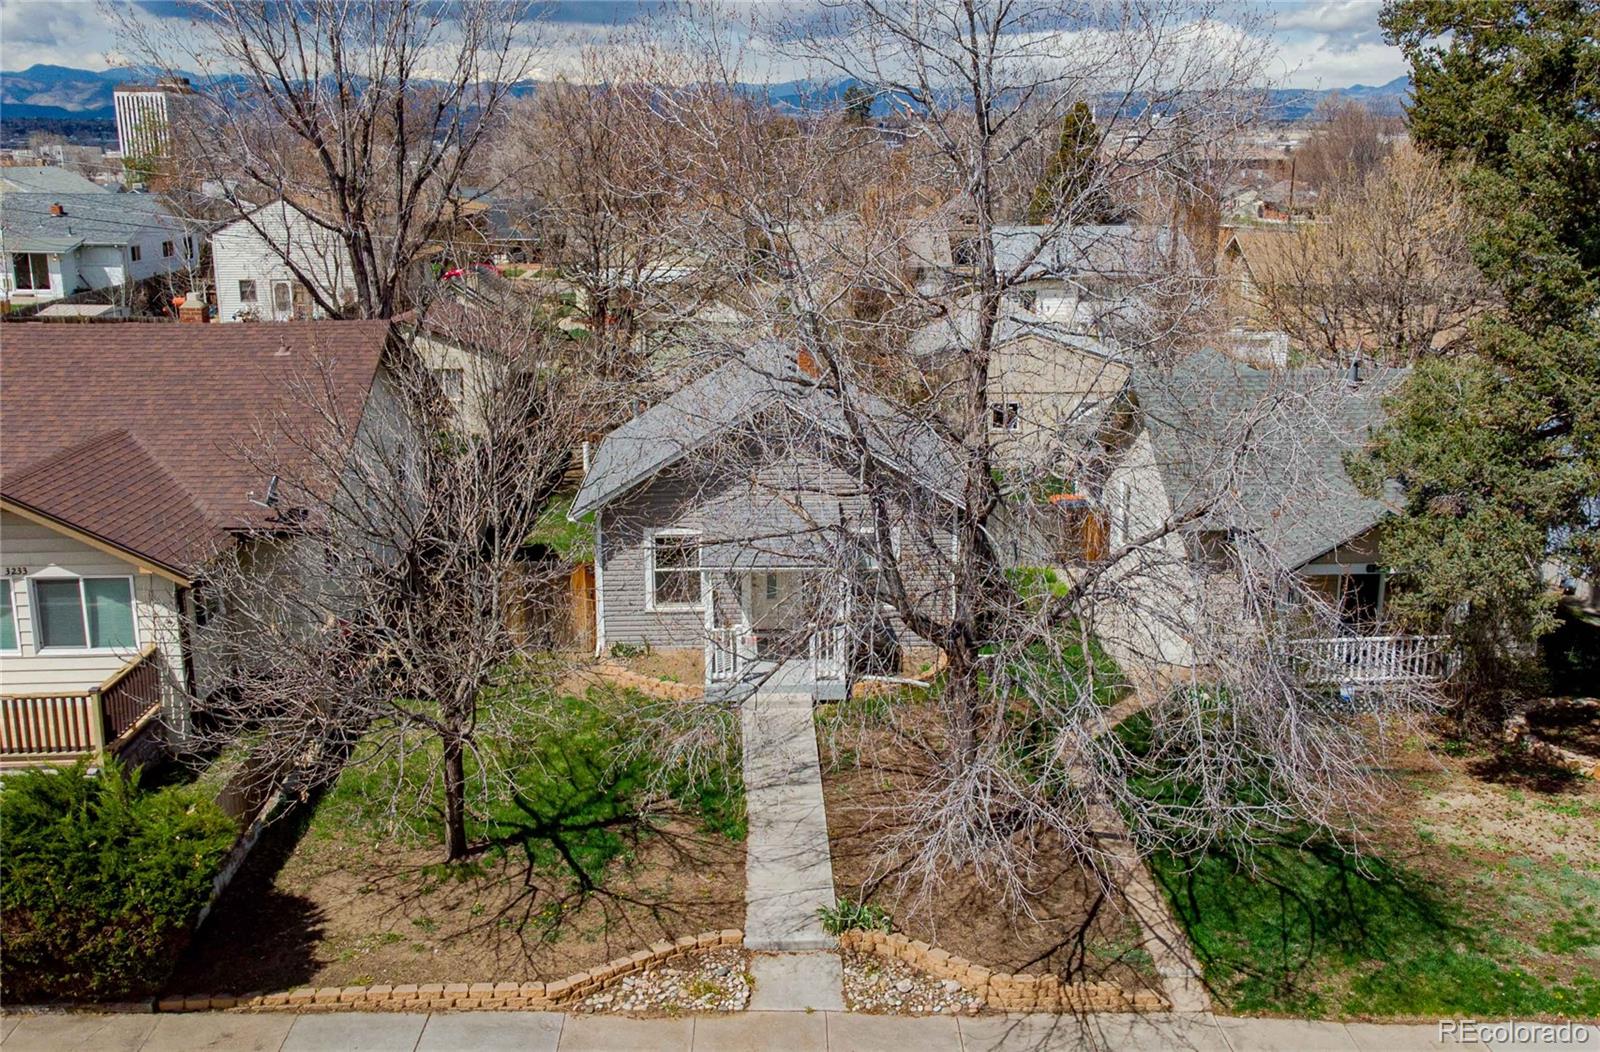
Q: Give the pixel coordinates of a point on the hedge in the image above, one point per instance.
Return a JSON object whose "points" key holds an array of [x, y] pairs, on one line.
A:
{"points": [[101, 882]]}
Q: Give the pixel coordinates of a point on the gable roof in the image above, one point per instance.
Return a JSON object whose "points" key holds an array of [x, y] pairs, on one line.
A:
{"points": [[131, 432], [27, 225], [958, 329], [1278, 436], [112, 488], [735, 393]]}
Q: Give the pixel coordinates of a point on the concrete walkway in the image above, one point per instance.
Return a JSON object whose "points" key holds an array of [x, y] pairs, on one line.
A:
{"points": [[778, 1031], [788, 871]]}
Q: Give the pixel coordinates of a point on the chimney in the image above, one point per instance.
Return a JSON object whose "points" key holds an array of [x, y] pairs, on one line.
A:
{"points": [[808, 364], [193, 309], [57, 210]]}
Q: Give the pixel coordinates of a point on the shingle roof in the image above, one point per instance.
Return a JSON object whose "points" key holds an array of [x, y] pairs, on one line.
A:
{"points": [[47, 179], [1088, 250], [735, 394], [113, 488], [133, 430], [26, 224], [1267, 447]]}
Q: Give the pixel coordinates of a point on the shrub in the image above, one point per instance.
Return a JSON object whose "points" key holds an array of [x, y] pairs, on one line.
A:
{"points": [[102, 881], [855, 916]]}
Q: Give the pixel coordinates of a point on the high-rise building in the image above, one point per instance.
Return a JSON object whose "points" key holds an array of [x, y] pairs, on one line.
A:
{"points": [[145, 113]]}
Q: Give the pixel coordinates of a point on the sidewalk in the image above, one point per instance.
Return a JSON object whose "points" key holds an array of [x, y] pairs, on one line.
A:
{"points": [[782, 1031]]}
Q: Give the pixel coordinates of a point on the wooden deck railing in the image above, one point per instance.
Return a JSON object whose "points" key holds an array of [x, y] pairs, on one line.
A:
{"points": [[1376, 660], [44, 727]]}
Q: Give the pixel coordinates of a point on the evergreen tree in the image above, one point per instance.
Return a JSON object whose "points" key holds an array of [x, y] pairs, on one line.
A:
{"points": [[1071, 176], [857, 104], [1498, 449]]}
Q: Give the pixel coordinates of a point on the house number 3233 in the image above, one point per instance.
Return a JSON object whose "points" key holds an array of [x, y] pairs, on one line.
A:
{"points": [[16, 571]]}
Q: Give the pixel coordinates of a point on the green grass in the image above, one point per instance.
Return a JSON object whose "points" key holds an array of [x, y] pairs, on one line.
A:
{"points": [[574, 801], [1312, 931], [572, 541]]}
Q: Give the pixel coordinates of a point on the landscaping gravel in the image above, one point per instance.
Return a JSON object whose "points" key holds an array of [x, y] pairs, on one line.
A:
{"points": [[878, 984], [714, 981]]}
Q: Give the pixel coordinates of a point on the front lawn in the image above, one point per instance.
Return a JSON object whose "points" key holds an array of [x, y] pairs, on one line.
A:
{"points": [[575, 866], [1480, 897]]}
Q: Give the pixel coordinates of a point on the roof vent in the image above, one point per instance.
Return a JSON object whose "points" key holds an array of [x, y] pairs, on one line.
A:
{"points": [[57, 210]]}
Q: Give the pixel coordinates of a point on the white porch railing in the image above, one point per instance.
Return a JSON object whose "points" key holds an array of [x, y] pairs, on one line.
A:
{"points": [[723, 658], [1375, 660], [826, 648]]}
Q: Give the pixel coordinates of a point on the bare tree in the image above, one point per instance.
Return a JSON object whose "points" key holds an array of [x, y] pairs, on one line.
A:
{"points": [[1349, 144], [363, 118], [369, 619], [1385, 271], [932, 499]]}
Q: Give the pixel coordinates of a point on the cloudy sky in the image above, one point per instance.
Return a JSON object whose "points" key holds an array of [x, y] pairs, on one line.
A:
{"points": [[1319, 43]]}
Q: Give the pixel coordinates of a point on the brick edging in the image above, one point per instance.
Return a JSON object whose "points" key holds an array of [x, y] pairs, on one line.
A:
{"points": [[649, 685], [1002, 990], [436, 996]]}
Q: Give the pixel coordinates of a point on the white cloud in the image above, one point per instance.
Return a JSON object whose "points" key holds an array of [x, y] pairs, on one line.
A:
{"points": [[1319, 43]]}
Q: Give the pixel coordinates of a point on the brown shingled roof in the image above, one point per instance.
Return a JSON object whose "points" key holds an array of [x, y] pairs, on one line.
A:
{"points": [[131, 432]]}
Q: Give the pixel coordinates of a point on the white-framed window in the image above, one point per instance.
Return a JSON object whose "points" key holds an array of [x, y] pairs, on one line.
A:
{"points": [[30, 271], [188, 247], [168, 250], [1005, 416], [674, 579], [135, 253], [8, 621], [282, 297], [84, 613], [452, 383], [247, 290]]}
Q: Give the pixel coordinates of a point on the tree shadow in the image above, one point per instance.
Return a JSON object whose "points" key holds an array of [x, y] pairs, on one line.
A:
{"points": [[1265, 927], [258, 937], [1522, 769]]}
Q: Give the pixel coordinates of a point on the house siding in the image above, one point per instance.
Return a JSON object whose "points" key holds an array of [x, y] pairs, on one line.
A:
{"points": [[30, 550], [239, 253], [768, 515]]}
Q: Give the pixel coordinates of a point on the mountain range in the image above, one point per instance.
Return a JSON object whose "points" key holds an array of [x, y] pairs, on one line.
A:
{"points": [[57, 92]]}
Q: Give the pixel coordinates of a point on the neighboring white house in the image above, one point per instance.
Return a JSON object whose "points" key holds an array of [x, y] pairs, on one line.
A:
{"points": [[1250, 466], [250, 261], [59, 245]]}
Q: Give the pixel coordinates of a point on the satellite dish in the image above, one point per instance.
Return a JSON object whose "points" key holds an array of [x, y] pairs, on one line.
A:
{"points": [[271, 500]]}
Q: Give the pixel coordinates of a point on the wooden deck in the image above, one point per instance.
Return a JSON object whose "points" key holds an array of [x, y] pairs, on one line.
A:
{"points": [[99, 722]]}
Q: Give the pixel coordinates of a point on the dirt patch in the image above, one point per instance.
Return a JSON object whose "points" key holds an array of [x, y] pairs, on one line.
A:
{"points": [[674, 666], [1068, 929], [331, 911]]}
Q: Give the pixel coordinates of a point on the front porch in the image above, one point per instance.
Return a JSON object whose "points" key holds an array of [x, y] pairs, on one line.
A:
{"points": [[104, 720], [1375, 661], [776, 629]]}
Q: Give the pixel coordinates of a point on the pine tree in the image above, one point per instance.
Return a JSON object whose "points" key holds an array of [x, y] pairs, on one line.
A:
{"points": [[1498, 449], [1071, 177]]}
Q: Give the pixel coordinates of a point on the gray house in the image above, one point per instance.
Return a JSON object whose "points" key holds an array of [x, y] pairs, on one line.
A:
{"points": [[1254, 460], [733, 520]]}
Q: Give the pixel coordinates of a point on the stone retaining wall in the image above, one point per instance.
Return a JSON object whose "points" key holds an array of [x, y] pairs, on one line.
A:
{"points": [[1002, 990], [648, 685], [427, 997]]}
